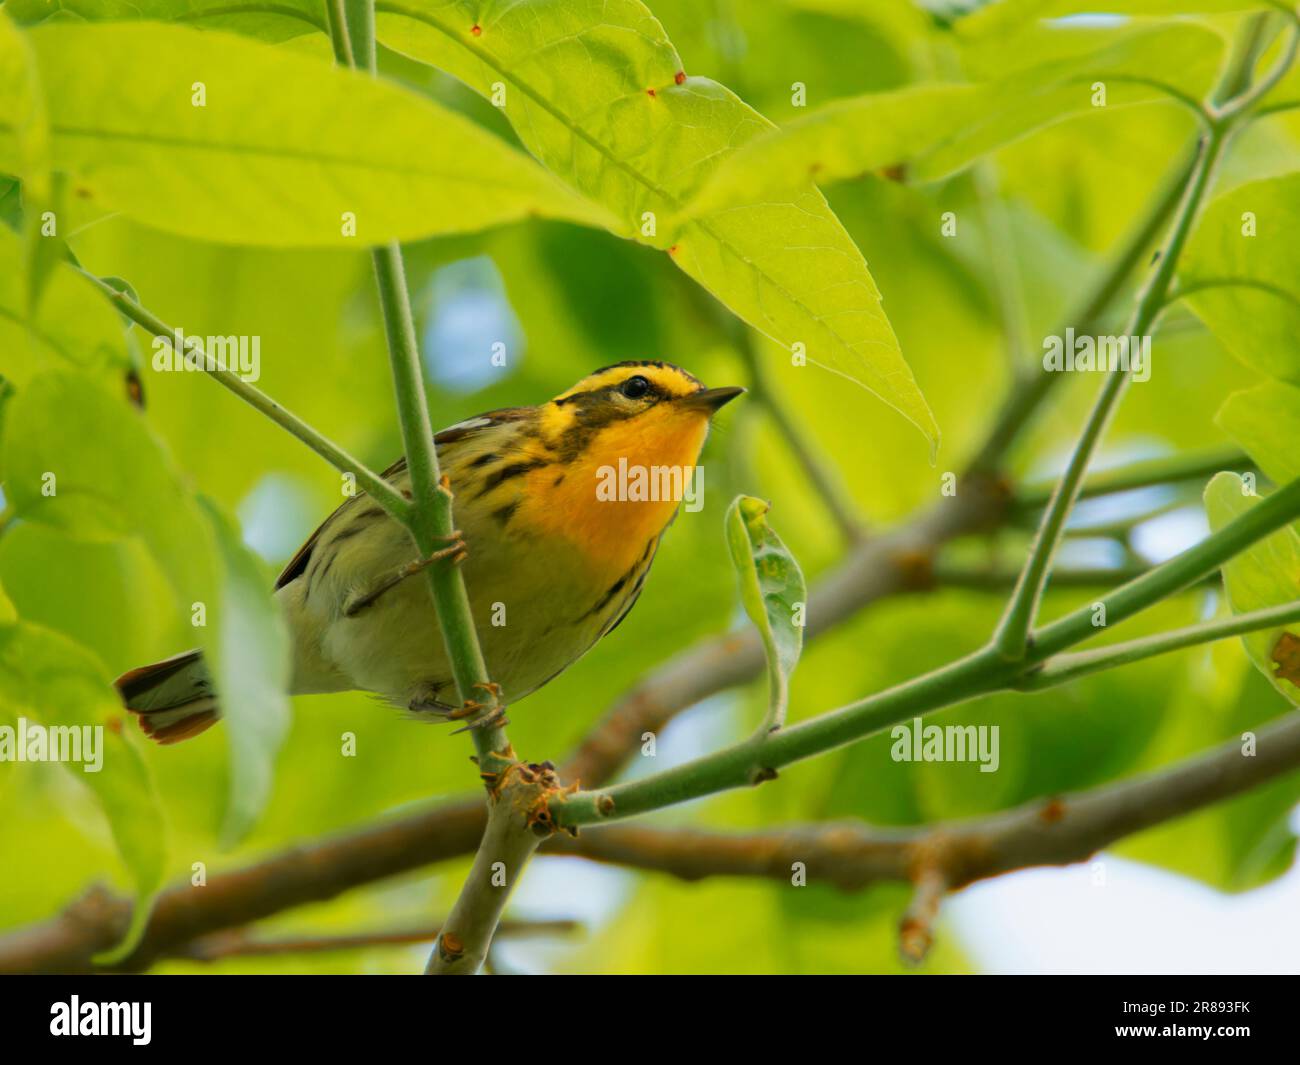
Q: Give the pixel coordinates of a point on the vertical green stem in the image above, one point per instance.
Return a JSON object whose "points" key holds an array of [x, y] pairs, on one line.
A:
{"points": [[360, 18], [509, 841], [1012, 635], [1028, 394], [431, 513]]}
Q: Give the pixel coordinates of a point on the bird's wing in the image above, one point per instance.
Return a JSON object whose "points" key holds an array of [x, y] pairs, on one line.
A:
{"points": [[298, 564]]}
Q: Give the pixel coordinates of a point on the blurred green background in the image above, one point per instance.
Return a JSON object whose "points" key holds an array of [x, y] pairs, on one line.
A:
{"points": [[565, 300]]}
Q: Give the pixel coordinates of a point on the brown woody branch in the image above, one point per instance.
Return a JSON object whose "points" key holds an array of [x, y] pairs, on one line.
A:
{"points": [[238, 942], [852, 856], [1055, 831]]}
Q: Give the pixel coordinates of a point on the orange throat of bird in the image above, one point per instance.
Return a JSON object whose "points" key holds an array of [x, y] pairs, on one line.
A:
{"points": [[620, 492]]}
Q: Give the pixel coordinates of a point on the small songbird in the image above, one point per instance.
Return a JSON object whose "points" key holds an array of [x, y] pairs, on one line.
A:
{"points": [[555, 554]]}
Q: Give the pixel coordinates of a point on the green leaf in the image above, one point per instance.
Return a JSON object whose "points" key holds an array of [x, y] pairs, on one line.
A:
{"points": [[7, 612], [1265, 420], [268, 20], [251, 667], [597, 92], [84, 462], [1241, 273], [933, 130], [72, 325], [773, 593], [1004, 16], [1265, 574], [78, 459], [285, 149], [48, 678], [24, 134]]}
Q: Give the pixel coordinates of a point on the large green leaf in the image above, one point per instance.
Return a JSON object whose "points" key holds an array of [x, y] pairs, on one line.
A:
{"points": [[72, 325], [1266, 574], [596, 90], [1265, 420], [50, 680], [1241, 273], [24, 136], [284, 147], [933, 130], [82, 461], [252, 674], [773, 593], [270, 20]]}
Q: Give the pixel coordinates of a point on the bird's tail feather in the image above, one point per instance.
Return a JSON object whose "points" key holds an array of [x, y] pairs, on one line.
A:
{"points": [[172, 698]]}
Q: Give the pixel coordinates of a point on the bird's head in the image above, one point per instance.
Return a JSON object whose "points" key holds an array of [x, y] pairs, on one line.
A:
{"points": [[651, 411], [628, 438]]}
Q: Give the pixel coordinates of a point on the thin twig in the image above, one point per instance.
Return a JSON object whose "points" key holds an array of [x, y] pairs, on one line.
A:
{"points": [[375, 486], [985, 671], [238, 943], [1011, 638], [1068, 667], [1145, 473], [1058, 830]]}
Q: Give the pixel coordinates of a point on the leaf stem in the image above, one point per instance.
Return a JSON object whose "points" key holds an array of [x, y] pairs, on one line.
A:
{"points": [[981, 673], [1244, 101], [1067, 667], [1198, 561], [372, 483], [1012, 634], [1147, 473], [336, 16], [359, 23], [1029, 392]]}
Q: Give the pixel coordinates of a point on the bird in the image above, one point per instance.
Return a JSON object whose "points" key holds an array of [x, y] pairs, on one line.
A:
{"points": [[559, 508]]}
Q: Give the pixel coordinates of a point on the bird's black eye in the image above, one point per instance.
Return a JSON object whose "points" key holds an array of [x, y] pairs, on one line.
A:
{"points": [[635, 387]]}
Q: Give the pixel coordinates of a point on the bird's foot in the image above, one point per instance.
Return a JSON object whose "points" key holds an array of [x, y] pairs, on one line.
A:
{"points": [[358, 601], [456, 550], [495, 719], [447, 711]]}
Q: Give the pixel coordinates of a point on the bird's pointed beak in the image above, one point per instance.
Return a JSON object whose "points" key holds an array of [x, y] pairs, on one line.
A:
{"points": [[711, 399]]}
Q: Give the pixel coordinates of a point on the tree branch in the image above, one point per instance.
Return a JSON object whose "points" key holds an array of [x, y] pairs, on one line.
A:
{"points": [[371, 483], [518, 820], [1053, 831], [1147, 473], [239, 944], [980, 673], [313, 872], [1067, 667], [1011, 638], [850, 855]]}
